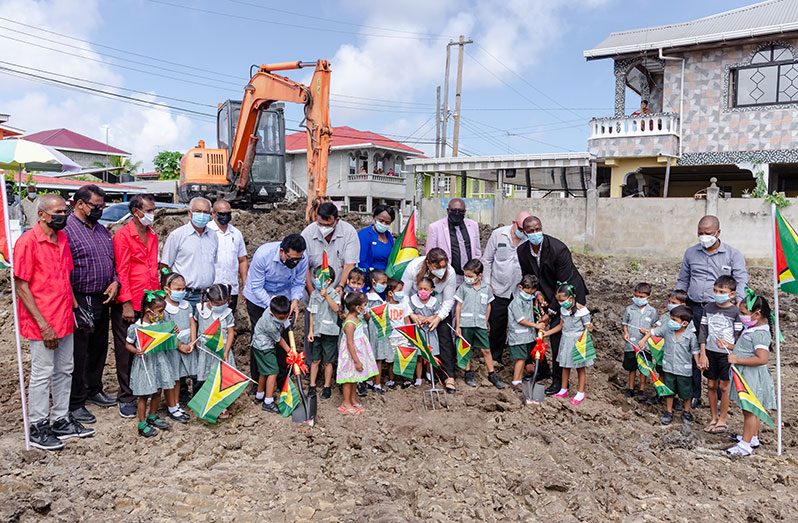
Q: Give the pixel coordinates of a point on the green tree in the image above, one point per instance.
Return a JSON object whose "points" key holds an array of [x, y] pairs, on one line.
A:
{"points": [[168, 164]]}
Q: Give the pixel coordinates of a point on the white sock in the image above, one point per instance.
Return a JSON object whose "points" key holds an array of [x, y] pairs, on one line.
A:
{"points": [[377, 387], [418, 382], [260, 395], [268, 401], [563, 391], [755, 441], [516, 382], [579, 396], [173, 410], [370, 383]]}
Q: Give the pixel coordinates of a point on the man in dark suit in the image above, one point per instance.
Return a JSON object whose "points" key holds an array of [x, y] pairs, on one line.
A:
{"points": [[550, 260]]}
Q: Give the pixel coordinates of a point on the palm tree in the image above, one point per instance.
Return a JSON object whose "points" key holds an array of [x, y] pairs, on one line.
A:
{"points": [[127, 165]]}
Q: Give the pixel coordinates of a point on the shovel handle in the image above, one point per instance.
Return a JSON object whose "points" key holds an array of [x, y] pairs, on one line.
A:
{"points": [[292, 344]]}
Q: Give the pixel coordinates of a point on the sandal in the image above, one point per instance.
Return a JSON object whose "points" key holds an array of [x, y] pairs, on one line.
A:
{"points": [[711, 426], [719, 428], [449, 386], [358, 409], [345, 411]]}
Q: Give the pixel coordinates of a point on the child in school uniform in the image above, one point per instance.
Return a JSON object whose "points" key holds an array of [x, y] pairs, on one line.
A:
{"points": [[575, 319], [638, 318], [355, 281], [323, 331], [184, 359], [266, 337], [750, 358], [521, 325], [471, 319], [676, 297], [425, 308], [150, 373], [374, 298], [214, 306], [398, 314], [680, 348]]}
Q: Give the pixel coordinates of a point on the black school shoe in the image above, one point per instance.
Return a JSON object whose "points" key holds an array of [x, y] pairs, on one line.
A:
{"points": [[101, 399], [146, 430], [553, 389], [179, 416], [494, 378], [156, 422], [666, 418], [687, 417], [326, 393], [312, 391], [362, 389], [83, 415], [470, 379], [68, 428], [270, 407], [42, 437]]}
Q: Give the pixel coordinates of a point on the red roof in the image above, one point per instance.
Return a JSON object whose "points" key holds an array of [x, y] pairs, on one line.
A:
{"points": [[349, 137], [70, 140], [148, 175], [58, 181]]}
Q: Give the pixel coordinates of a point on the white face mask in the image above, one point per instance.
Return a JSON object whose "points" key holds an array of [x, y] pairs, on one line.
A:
{"points": [[439, 273], [326, 230], [147, 219], [707, 240]]}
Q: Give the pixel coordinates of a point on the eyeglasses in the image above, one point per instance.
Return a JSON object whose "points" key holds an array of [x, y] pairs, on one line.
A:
{"points": [[456, 211], [92, 206]]}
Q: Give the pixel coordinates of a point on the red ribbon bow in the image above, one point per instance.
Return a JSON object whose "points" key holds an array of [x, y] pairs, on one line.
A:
{"points": [[539, 350], [297, 359]]}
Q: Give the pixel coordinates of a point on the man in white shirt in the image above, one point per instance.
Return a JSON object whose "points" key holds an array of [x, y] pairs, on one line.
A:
{"points": [[231, 259]]}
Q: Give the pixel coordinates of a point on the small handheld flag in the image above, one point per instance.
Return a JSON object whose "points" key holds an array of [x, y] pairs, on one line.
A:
{"points": [[647, 369], [463, 352], [223, 386], [213, 337], [157, 338], [324, 273], [415, 336], [380, 316], [404, 362], [748, 401], [584, 350], [289, 398], [404, 249], [656, 344]]}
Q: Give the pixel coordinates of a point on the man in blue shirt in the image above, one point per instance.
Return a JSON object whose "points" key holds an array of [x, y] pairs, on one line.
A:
{"points": [[277, 269]]}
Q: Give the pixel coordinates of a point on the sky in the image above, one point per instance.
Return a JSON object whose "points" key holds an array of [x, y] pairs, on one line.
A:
{"points": [[526, 85]]}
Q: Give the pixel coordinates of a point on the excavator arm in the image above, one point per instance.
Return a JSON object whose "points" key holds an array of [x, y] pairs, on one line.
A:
{"points": [[265, 88]]}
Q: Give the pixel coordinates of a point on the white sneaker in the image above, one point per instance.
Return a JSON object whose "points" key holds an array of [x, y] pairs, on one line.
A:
{"points": [[739, 450], [754, 441]]}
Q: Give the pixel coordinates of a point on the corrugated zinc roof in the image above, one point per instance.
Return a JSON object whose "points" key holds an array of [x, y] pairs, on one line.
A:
{"points": [[347, 137], [771, 17], [70, 140]]}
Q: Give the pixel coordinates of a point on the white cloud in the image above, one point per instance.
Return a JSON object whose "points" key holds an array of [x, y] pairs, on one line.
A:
{"points": [[35, 107]]}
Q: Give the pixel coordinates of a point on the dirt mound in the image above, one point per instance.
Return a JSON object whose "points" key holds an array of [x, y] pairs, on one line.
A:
{"points": [[488, 458]]}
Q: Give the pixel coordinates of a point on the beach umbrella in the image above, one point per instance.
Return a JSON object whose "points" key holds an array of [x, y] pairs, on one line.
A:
{"points": [[20, 154]]}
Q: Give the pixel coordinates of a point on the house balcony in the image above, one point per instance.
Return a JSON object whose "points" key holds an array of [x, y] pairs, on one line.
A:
{"points": [[635, 136], [378, 186]]}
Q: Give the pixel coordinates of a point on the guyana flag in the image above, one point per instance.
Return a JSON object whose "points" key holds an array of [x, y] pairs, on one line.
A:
{"points": [[656, 344], [584, 350], [786, 254], [224, 384], [289, 398], [213, 337], [404, 362], [405, 248], [463, 352], [380, 316], [647, 369], [324, 274], [415, 336], [748, 401], [157, 338]]}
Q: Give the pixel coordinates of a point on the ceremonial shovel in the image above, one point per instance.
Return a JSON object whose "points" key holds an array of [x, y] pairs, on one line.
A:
{"points": [[305, 412], [535, 393]]}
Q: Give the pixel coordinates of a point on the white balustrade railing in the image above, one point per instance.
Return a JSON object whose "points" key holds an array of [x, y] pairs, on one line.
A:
{"points": [[635, 126], [380, 178]]}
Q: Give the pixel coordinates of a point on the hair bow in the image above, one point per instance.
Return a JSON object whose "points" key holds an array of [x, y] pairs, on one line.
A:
{"points": [[154, 295], [165, 271], [568, 287], [750, 298]]}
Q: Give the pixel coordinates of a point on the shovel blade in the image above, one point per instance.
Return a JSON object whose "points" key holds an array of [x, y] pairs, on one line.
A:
{"points": [[305, 412], [538, 393]]}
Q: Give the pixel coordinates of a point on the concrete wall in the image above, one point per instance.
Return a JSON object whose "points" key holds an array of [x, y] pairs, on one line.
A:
{"points": [[633, 226]]}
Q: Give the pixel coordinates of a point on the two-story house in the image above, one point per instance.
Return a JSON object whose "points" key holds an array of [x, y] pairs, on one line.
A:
{"points": [[364, 169], [722, 95]]}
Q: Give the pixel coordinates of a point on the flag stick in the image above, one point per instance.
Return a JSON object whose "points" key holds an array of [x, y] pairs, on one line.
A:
{"points": [[220, 359], [25, 421], [778, 340], [144, 362]]}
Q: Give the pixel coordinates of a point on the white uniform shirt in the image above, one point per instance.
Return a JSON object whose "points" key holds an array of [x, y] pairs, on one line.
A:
{"points": [[231, 248]]}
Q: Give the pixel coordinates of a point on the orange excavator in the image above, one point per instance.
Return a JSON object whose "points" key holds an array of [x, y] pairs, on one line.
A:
{"points": [[248, 167]]}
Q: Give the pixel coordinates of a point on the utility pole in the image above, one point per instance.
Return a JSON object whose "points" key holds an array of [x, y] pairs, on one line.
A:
{"points": [[456, 129], [445, 113], [438, 121]]}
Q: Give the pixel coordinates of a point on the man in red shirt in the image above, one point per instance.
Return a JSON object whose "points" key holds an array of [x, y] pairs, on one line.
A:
{"points": [[42, 267], [136, 255]]}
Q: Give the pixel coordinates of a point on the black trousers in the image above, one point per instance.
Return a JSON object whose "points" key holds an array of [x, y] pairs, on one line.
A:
{"points": [[448, 353], [90, 351], [555, 371], [698, 313], [498, 326], [255, 312], [234, 303], [123, 357]]}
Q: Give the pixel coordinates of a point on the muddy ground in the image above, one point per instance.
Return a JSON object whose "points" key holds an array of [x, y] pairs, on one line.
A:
{"points": [[487, 458]]}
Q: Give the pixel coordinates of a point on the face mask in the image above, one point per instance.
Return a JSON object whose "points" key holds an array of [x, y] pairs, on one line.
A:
{"points": [[535, 238], [224, 217], [398, 295], [177, 295], [291, 262], [32, 195], [316, 284], [439, 273], [525, 296], [747, 321], [147, 218], [278, 322], [520, 234], [567, 304], [326, 230], [381, 227], [354, 288], [470, 280], [722, 298], [218, 309], [200, 219], [95, 214], [707, 240], [57, 221], [674, 325], [456, 218], [424, 295], [156, 318], [672, 306], [379, 288], [640, 302]]}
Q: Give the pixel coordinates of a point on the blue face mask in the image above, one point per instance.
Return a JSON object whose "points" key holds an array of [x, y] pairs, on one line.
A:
{"points": [[674, 325], [317, 284], [200, 219], [520, 234], [525, 296], [219, 309], [379, 288], [722, 298], [672, 306], [177, 295], [381, 227], [398, 295], [535, 238], [640, 302]]}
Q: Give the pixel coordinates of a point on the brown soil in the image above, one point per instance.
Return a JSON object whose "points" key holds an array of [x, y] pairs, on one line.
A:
{"points": [[486, 459]]}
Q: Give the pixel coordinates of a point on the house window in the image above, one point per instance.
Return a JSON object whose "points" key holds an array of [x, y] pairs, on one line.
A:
{"points": [[772, 78], [445, 184], [352, 164], [508, 190]]}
